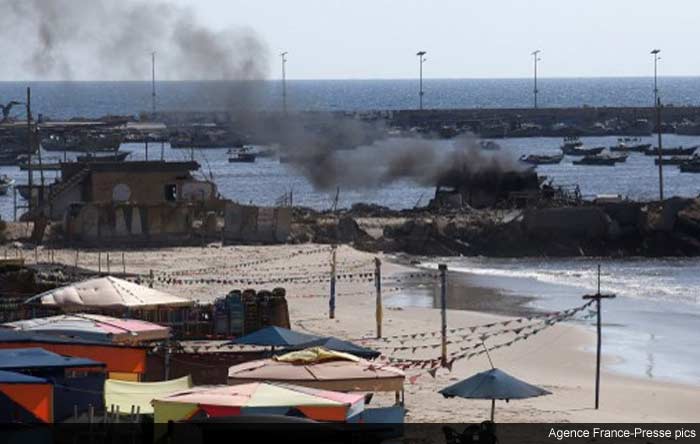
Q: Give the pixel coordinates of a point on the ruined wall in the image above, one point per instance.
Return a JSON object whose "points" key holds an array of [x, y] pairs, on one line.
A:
{"points": [[126, 222], [142, 187], [247, 223]]}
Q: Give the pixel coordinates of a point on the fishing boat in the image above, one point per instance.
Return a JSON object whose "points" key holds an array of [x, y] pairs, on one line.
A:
{"points": [[542, 159], [601, 160], [571, 142], [6, 183], [679, 151], [578, 151], [675, 160], [627, 148], [242, 155], [692, 166], [84, 141], [115, 157]]}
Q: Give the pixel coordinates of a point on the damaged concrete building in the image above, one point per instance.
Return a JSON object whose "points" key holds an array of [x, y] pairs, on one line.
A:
{"points": [[149, 200], [485, 188]]}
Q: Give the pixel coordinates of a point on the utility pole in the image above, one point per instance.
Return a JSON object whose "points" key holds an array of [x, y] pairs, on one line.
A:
{"points": [[655, 53], [421, 59], [536, 57], [660, 150], [153, 84], [284, 81], [30, 146], [597, 298], [443, 311]]}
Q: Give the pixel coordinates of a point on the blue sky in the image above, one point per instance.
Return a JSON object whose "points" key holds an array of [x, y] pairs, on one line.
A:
{"points": [[467, 39]]}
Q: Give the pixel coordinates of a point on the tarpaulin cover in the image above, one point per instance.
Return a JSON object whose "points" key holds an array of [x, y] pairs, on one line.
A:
{"points": [[108, 292], [19, 378], [349, 374], [257, 398], [125, 394], [315, 355], [36, 358], [274, 337], [94, 327]]}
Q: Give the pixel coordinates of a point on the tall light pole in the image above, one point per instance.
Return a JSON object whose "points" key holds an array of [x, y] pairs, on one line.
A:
{"points": [[284, 81], [536, 58], [655, 53], [421, 59], [153, 83]]}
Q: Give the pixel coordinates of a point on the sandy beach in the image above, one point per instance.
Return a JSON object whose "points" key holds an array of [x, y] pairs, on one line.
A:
{"points": [[558, 359]]}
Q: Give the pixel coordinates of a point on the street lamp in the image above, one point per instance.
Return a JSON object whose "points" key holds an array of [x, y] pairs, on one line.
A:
{"points": [[535, 56], [655, 53], [284, 81], [421, 59]]}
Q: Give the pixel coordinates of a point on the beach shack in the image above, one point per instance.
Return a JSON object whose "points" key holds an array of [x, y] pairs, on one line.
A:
{"points": [[125, 362], [25, 398], [77, 382]]}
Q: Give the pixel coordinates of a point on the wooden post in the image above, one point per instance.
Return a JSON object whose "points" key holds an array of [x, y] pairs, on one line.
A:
{"points": [[76, 259], [123, 265], [378, 285], [150, 278], [597, 298], [108, 262], [331, 303], [99, 262], [443, 310], [166, 359]]}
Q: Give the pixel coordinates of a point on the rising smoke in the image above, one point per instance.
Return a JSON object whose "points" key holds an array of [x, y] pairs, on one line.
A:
{"points": [[113, 39], [423, 161]]}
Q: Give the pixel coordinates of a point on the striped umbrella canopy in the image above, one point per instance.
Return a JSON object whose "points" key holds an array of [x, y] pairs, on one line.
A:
{"points": [[258, 398]]}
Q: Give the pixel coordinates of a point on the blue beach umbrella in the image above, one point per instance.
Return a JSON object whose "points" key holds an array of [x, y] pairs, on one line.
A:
{"points": [[493, 384], [275, 337], [336, 344]]}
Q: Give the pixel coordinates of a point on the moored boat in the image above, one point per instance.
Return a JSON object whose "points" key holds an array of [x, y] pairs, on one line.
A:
{"points": [[679, 151], [115, 157], [6, 183], [601, 159], [627, 148], [542, 159], [578, 151], [675, 160]]}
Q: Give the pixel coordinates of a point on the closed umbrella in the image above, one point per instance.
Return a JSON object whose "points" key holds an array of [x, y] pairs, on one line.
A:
{"points": [[493, 384]]}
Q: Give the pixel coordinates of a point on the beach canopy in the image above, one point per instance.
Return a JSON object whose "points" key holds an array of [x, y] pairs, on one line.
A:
{"points": [[107, 292], [320, 368], [38, 358], [125, 394], [94, 327], [493, 384], [275, 337], [10, 336], [331, 343], [258, 398]]}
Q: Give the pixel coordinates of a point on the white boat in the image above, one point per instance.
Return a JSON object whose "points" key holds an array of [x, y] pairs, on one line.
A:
{"points": [[5, 184]]}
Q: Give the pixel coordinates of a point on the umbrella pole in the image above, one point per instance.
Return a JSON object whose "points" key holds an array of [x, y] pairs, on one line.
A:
{"points": [[493, 408]]}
